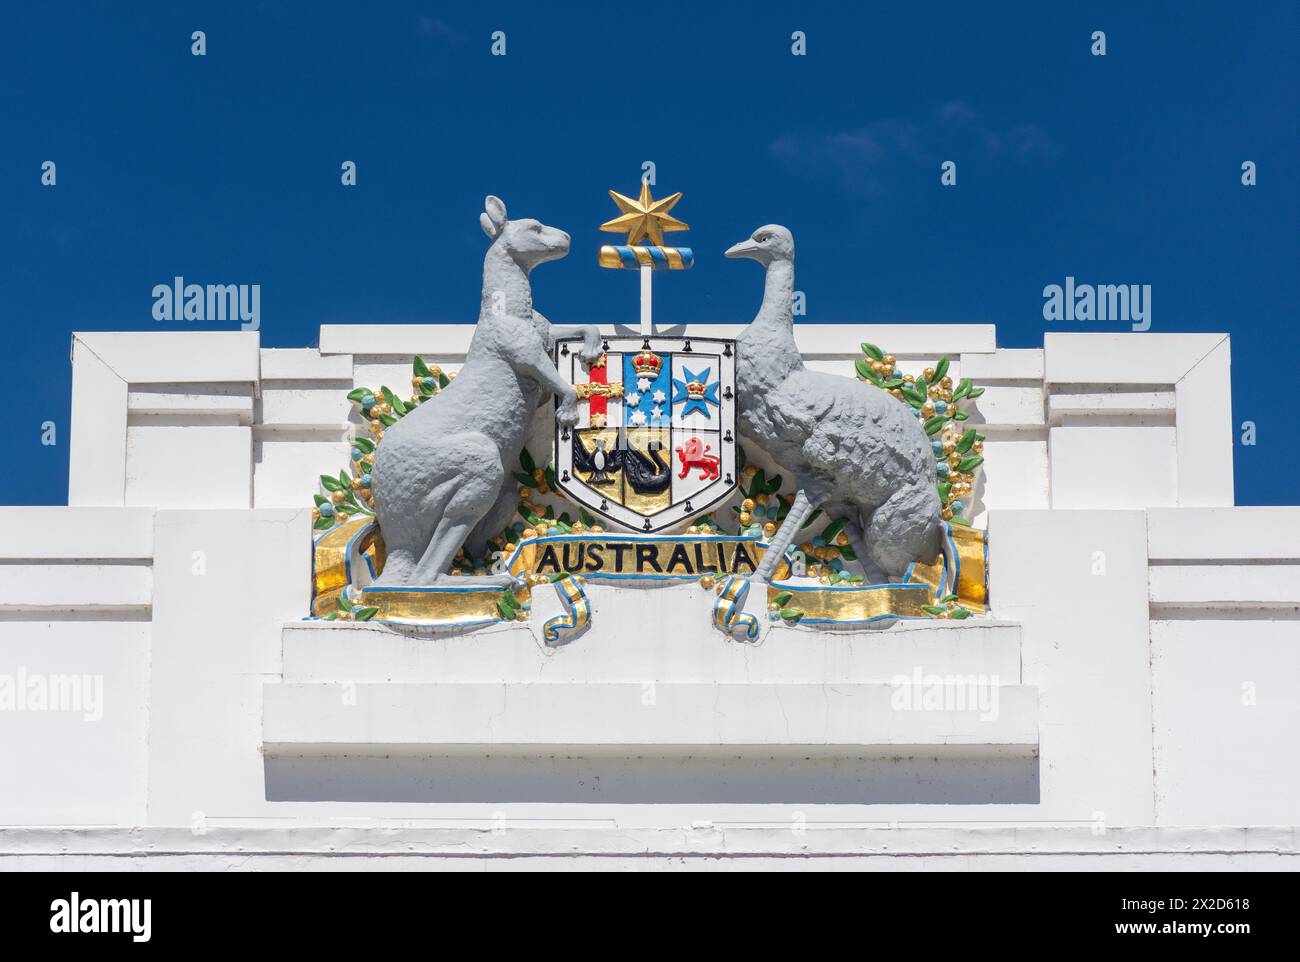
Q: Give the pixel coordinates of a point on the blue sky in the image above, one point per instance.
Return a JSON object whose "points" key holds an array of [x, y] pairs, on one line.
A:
{"points": [[225, 169]]}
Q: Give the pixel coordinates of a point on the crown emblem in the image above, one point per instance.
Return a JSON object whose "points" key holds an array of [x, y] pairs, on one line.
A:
{"points": [[647, 363], [695, 389]]}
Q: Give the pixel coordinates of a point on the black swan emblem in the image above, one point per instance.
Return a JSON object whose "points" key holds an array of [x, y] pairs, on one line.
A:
{"points": [[646, 471]]}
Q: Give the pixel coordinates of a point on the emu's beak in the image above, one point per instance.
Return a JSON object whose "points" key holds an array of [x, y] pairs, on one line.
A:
{"points": [[746, 248]]}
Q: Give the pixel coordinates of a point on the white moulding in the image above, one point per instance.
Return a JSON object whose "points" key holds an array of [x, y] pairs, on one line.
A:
{"points": [[1225, 586], [175, 357], [57, 533], [304, 364], [840, 720], [1237, 533], [322, 651], [1196, 365], [75, 587]]}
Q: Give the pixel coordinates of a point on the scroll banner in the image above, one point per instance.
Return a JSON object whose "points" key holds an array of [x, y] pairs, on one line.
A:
{"points": [[353, 554]]}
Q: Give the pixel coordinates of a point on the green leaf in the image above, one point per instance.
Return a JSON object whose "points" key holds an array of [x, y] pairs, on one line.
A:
{"points": [[971, 395], [526, 461], [418, 367], [332, 616], [792, 614], [358, 394], [366, 445], [344, 604], [833, 529], [329, 483], [873, 352], [940, 370], [913, 393], [559, 576], [563, 526], [946, 598], [740, 458], [866, 372], [847, 553], [443, 380], [585, 518], [965, 441], [944, 488], [392, 399], [363, 613], [508, 599], [323, 524], [811, 518], [933, 609], [916, 402], [963, 386], [933, 425], [507, 612], [959, 613], [971, 463], [961, 521], [387, 420], [758, 485], [319, 499], [773, 485], [781, 599], [550, 478], [893, 382], [960, 415], [525, 479], [526, 515]]}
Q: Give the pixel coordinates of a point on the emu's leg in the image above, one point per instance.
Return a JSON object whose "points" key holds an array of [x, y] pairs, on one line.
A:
{"points": [[785, 534]]}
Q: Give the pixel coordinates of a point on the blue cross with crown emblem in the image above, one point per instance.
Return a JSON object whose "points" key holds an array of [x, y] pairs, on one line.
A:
{"points": [[696, 392]]}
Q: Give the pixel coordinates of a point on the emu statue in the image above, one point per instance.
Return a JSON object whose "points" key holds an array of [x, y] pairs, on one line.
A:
{"points": [[442, 473], [852, 448]]}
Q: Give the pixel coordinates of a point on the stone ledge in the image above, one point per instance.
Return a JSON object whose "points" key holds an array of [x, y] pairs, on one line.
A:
{"points": [[321, 651], [536, 837], [843, 720]]}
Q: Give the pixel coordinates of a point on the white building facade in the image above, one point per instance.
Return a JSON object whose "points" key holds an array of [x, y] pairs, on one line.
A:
{"points": [[1130, 699]]}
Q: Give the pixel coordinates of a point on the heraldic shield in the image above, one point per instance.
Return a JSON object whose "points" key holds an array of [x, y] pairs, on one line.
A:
{"points": [[655, 443]]}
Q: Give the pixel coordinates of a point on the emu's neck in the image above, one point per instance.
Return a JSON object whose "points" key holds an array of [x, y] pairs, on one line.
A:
{"points": [[506, 289], [776, 313]]}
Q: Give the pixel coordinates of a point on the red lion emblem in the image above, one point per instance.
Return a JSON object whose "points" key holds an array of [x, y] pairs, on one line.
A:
{"points": [[694, 454]]}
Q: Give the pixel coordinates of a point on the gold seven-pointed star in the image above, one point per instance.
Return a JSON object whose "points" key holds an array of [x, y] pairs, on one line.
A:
{"points": [[644, 217]]}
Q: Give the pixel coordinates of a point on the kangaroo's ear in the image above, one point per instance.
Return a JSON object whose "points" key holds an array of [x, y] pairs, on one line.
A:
{"points": [[494, 217]]}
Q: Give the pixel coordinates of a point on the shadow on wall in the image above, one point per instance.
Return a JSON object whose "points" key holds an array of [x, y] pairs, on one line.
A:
{"points": [[645, 779]]}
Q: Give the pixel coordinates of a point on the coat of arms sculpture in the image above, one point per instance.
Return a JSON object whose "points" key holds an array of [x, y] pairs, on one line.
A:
{"points": [[655, 442], [649, 448]]}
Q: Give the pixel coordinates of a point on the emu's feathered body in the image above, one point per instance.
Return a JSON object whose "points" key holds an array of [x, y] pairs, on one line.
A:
{"points": [[850, 446]]}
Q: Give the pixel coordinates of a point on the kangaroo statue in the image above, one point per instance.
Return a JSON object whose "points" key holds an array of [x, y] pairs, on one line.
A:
{"points": [[442, 474]]}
